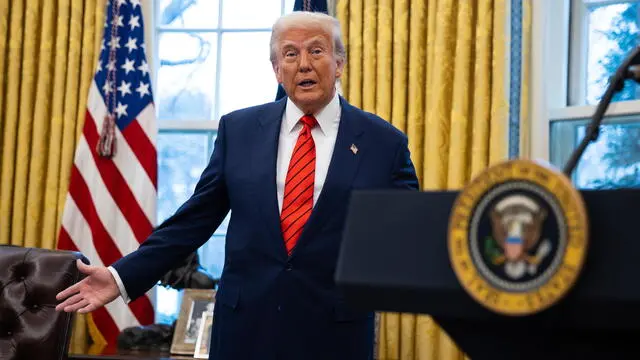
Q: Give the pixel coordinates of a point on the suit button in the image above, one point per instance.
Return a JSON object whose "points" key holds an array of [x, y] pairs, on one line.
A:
{"points": [[279, 308], [289, 267]]}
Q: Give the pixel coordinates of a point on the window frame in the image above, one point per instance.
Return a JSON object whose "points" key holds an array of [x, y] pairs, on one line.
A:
{"points": [[556, 71]]}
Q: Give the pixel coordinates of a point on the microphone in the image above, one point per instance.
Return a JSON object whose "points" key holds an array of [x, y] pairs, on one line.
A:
{"points": [[629, 69]]}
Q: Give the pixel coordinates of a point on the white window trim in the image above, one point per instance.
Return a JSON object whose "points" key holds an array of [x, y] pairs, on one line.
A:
{"points": [[586, 111], [550, 70], [577, 65], [149, 38], [547, 15]]}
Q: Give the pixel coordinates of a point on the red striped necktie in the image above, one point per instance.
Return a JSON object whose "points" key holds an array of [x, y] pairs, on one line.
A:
{"points": [[298, 187]]}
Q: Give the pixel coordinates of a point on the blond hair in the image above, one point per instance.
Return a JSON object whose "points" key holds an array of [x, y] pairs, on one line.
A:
{"points": [[308, 20]]}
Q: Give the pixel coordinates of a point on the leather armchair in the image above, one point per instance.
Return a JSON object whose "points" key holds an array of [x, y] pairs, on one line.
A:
{"points": [[30, 278]]}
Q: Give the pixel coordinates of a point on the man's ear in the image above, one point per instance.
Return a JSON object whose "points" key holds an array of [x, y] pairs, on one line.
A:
{"points": [[276, 71], [339, 68]]}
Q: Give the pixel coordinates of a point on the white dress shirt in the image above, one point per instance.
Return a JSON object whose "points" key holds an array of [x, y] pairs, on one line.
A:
{"points": [[324, 136]]}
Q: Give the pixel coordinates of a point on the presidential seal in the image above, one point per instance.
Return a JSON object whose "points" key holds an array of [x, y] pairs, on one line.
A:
{"points": [[518, 237]]}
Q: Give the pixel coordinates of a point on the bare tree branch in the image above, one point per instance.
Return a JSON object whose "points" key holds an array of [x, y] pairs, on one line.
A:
{"points": [[205, 48], [174, 10]]}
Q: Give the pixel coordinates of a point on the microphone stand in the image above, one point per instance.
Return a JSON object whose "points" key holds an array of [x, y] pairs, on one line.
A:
{"points": [[626, 70]]}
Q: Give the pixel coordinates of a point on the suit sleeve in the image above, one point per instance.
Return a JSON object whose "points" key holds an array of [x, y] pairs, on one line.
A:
{"points": [[184, 232], [403, 175]]}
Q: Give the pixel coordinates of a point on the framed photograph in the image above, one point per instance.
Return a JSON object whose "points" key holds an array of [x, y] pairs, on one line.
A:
{"points": [[204, 336], [195, 303]]}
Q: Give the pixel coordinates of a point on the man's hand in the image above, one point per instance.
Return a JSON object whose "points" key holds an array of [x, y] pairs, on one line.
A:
{"points": [[96, 290]]}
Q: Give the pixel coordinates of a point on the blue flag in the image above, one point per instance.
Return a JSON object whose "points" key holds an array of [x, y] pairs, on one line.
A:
{"points": [[311, 5], [304, 5]]}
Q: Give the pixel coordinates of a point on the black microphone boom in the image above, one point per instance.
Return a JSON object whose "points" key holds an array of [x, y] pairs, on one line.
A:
{"points": [[627, 70]]}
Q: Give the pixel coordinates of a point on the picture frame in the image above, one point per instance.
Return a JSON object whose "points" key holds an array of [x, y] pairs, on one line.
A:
{"points": [[195, 302], [204, 336]]}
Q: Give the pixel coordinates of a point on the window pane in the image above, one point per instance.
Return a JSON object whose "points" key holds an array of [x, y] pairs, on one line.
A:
{"points": [[189, 14], [167, 305], [288, 6], [248, 77], [613, 161], [181, 159], [186, 75], [212, 253], [612, 34], [250, 14]]}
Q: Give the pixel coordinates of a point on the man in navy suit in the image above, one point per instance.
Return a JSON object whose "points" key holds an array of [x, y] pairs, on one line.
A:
{"points": [[285, 171]]}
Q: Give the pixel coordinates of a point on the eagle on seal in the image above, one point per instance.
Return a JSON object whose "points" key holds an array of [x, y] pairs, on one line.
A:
{"points": [[517, 222]]}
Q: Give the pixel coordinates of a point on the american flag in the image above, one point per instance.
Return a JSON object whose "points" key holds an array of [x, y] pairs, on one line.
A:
{"points": [[111, 204]]}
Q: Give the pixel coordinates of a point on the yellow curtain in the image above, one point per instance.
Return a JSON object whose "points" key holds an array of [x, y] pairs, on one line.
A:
{"points": [[48, 52], [438, 71]]}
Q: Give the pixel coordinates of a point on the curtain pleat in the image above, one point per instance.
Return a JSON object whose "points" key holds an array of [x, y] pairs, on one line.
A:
{"points": [[28, 79], [461, 103], [498, 135], [54, 155], [384, 60], [4, 43], [416, 97], [342, 14], [10, 115], [436, 149], [41, 124], [369, 53], [436, 70], [400, 63], [355, 52], [482, 93]]}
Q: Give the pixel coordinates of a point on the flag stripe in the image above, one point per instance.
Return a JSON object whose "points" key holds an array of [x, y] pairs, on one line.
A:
{"points": [[107, 326], [118, 187], [142, 148], [142, 187], [143, 309], [106, 249], [101, 316], [109, 212], [76, 223], [139, 184], [147, 121], [65, 242]]}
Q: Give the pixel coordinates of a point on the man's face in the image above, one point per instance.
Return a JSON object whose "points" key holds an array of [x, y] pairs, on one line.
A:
{"points": [[307, 68]]}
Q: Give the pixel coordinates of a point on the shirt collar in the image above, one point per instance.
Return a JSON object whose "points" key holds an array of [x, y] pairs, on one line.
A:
{"points": [[325, 116]]}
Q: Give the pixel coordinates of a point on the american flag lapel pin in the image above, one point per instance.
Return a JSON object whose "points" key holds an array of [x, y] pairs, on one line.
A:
{"points": [[354, 149]]}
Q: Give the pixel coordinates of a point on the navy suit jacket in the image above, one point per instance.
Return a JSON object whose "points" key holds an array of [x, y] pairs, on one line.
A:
{"points": [[270, 305]]}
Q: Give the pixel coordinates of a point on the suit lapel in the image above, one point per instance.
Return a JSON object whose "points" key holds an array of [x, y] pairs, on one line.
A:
{"points": [[265, 164], [342, 170]]}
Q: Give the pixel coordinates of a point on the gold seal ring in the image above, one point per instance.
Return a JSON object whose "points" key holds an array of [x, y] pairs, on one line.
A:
{"points": [[518, 237]]}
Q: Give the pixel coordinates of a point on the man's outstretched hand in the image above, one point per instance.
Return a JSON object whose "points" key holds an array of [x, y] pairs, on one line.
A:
{"points": [[94, 291]]}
